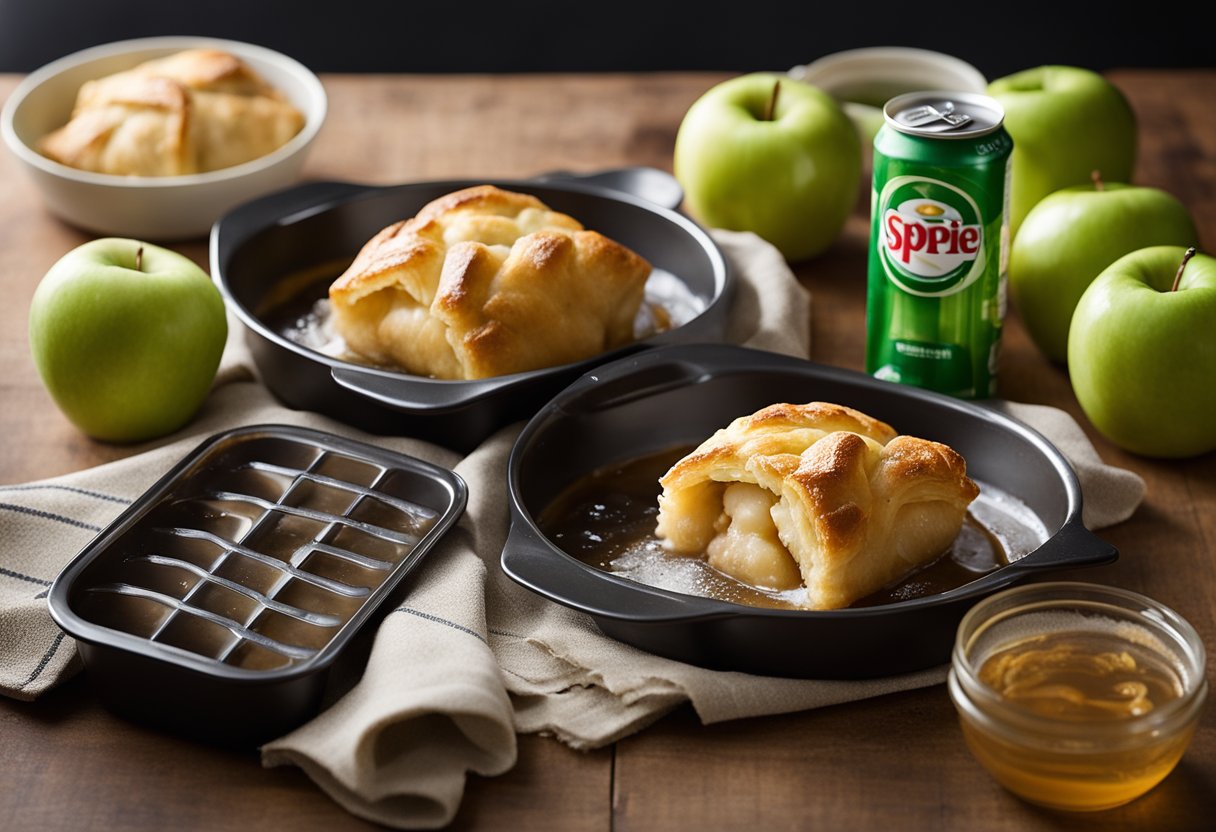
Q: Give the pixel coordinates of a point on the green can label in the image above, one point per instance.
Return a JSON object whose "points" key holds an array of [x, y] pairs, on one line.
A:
{"points": [[932, 241], [938, 242]]}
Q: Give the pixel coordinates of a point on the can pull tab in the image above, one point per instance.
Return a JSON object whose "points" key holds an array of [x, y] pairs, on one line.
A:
{"points": [[927, 114]]}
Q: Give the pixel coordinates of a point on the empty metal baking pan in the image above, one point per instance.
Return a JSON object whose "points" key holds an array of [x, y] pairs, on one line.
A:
{"points": [[216, 604], [677, 396], [274, 257]]}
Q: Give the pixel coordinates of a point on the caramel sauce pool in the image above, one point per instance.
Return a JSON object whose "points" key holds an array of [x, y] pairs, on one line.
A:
{"points": [[1081, 677], [607, 519], [1087, 683]]}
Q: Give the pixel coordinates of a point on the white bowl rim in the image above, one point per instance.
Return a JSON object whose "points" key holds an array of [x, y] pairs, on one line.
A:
{"points": [[926, 57], [312, 125]]}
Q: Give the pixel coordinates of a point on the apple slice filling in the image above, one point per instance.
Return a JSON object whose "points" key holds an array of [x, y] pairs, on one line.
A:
{"points": [[747, 545]]}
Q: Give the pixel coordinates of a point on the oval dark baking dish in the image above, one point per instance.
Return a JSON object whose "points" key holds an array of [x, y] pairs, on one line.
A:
{"points": [[679, 395], [256, 246]]}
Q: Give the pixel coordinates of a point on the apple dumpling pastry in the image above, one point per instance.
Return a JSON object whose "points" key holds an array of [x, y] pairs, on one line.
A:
{"points": [[485, 282], [815, 495], [194, 111]]}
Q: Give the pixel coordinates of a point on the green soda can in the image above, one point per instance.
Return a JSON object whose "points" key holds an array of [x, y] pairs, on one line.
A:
{"points": [[939, 243]]}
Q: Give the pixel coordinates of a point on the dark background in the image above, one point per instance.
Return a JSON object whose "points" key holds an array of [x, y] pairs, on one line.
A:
{"points": [[483, 36]]}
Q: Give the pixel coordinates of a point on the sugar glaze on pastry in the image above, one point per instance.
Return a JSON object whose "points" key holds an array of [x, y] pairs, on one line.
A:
{"points": [[485, 282], [818, 495], [194, 111]]}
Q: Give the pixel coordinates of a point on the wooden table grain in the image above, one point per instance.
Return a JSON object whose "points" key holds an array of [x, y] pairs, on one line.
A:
{"points": [[896, 762]]}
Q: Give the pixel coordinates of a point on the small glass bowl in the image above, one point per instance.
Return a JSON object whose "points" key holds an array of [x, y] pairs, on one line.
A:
{"points": [[1077, 763]]}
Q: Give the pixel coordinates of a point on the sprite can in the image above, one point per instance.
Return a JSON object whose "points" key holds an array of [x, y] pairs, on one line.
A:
{"points": [[939, 243]]}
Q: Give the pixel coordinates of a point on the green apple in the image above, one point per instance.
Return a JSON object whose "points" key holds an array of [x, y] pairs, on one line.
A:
{"points": [[1071, 235], [772, 155], [1142, 352], [127, 337], [1065, 123]]}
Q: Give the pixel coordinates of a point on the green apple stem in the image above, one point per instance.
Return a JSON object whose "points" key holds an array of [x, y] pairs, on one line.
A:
{"points": [[1186, 258], [771, 108], [1096, 176], [139, 259]]}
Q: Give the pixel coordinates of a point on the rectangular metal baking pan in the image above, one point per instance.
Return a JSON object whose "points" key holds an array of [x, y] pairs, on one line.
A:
{"points": [[216, 604]]}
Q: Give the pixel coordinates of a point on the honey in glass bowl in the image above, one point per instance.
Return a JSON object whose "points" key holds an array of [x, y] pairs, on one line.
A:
{"points": [[1077, 696]]}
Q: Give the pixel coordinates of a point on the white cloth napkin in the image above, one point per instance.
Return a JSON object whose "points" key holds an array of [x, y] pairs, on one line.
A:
{"points": [[468, 658]]}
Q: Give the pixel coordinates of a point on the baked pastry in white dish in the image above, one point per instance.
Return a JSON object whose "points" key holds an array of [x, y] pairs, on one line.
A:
{"points": [[485, 282], [195, 111], [816, 495]]}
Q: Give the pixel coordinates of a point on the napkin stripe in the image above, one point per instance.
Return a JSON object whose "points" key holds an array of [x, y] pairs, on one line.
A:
{"points": [[46, 659], [86, 492], [439, 620], [506, 634], [46, 515], [19, 576]]}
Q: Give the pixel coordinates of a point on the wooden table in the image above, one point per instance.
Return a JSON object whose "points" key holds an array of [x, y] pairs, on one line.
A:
{"points": [[896, 762]]}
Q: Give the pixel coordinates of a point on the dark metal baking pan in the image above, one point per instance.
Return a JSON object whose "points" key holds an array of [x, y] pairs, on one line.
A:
{"points": [[256, 246], [218, 602], [678, 396]]}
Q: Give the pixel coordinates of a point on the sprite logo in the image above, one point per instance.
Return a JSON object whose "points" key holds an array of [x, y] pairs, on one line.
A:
{"points": [[931, 238]]}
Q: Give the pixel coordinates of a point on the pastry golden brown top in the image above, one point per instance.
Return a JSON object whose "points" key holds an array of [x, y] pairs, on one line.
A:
{"points": [[190, 112], [818, 495], [485, 282]]}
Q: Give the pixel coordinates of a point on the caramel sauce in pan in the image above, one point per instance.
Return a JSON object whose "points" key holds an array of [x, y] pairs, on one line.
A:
{"points": [[297, 307], [607, 519]]}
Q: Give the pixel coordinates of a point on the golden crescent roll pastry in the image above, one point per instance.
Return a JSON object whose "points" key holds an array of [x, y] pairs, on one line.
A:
{"points": [[815, 495], [194, 111], [485, 282]]}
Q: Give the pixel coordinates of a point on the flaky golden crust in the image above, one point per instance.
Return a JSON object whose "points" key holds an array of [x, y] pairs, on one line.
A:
{"points": [[191, 112], [855, 505], [484, 282], [210, 70]]}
